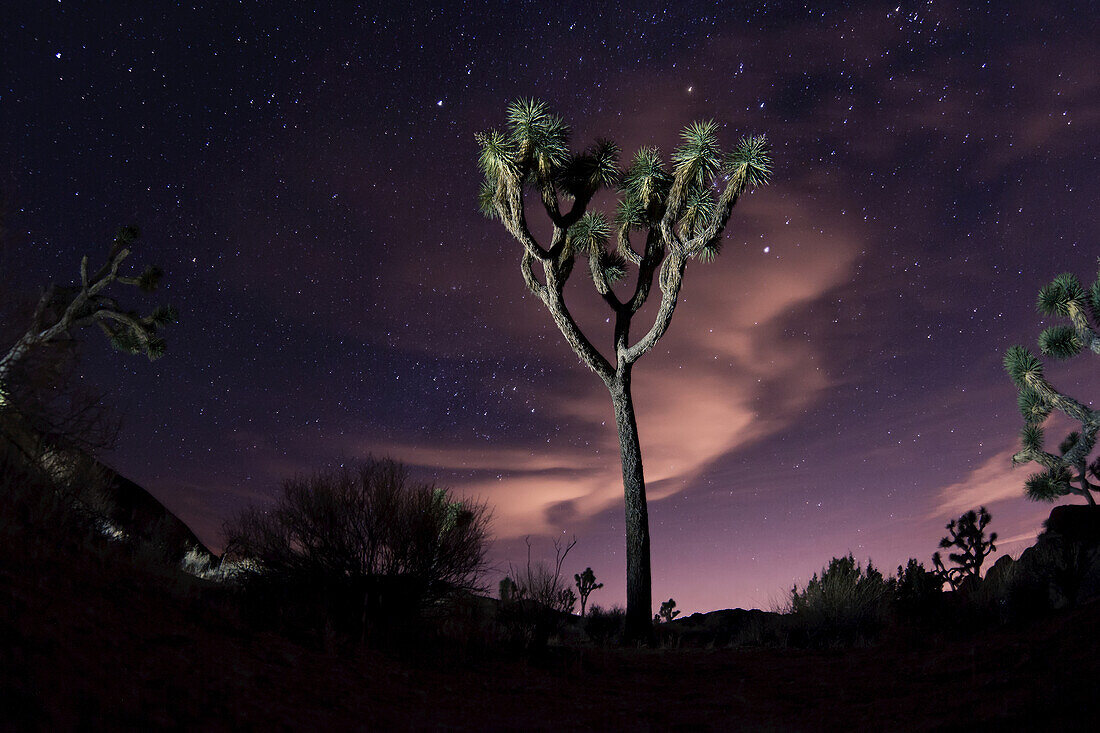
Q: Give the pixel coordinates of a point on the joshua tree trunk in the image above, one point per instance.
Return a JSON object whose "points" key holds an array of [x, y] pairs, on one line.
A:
{"points": [[639, 585]]}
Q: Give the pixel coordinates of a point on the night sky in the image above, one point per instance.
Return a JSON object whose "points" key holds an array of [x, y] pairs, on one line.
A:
{"points": [[307, 178]]}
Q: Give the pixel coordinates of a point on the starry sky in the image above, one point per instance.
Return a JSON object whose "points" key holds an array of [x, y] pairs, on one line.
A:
{"points": [[306, 175]]}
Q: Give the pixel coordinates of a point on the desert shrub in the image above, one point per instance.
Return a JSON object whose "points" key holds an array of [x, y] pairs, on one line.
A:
{"points": [[915, 590], [845, 605], [605, 626], [535, 600], [353, 549]]}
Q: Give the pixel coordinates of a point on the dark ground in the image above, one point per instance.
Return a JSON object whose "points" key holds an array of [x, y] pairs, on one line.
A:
{"points": [[87, 643]]}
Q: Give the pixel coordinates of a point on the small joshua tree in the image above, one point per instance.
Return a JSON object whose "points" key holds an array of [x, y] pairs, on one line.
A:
{"points": [[1068, 471], [674, 216], [61, 310], [586, 583], [967, 533], [667, 613]]}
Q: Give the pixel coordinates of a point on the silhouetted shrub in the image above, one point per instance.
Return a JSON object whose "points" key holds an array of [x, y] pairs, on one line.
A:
{"points": [[535, 600], [915, 590], [845, 605], [347, 549], [605, 626]]}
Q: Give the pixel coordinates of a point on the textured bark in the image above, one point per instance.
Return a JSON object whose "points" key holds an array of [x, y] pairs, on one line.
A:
{"points": [[639, 583]]}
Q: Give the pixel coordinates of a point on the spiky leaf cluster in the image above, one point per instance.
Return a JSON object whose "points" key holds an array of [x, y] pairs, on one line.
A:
{"points": [[1056, 298], [596, 168], [699, 207], [591, 233], [699, 157], [1060, 342], [754, 154], [1022, 365], [1032, 437], [539, 138], [1032, 407], [645, 187], [1047, 485]]}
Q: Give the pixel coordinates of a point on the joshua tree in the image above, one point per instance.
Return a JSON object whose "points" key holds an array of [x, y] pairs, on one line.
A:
{"points": [[1067, 472], [60, 310], [968, 534], [677, 215], [586, 583], [667, 613]]}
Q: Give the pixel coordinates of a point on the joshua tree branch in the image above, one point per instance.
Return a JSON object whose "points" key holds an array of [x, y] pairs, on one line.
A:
{"points": [[1089, 338], [555, 302], [710, 236], [527, 268], [672, 276]]}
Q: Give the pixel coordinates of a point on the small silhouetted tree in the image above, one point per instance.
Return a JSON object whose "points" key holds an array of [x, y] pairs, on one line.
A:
{"points": [[537, 599], [667, 613], [675, 215], [967, 534], [1067, 471], [586, 583]]}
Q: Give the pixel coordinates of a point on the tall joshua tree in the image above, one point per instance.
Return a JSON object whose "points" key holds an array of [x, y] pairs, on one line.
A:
{"points": [[61, 310], [1068, 471], [673, 215]]}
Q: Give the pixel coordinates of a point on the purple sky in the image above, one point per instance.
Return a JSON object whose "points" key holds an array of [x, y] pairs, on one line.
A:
{"points": [[308, 180]]}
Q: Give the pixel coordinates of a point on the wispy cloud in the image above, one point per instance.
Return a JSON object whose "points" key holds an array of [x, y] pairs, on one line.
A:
{"points": [[991, 482]]}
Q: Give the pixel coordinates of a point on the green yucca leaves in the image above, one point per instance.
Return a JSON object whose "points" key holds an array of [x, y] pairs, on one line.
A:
{"points": [[155, 348], [1046, 486], [612, 264], [127, 235], [754, 153], [1056, 297], [1094, 299], [710, 251], [150, 279], [487, 200], [1070, 441], [1032, 407], [163, 315], [497, 157], [1021, 364], [646, 179], [591, 233], [698, 211], [541, 138], [630, 213], [1061, 342], [1032, 437], [527, 113], [596, 168], [605, 164], [699, 157]]}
